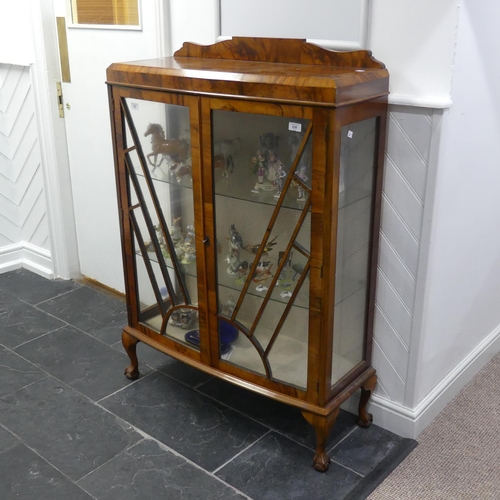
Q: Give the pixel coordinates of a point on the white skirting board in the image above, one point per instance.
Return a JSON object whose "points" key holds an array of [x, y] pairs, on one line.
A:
{"points": [[28, 256], [409, 422]]}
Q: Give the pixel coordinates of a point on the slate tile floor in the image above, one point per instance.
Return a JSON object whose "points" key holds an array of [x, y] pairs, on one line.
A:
{"points": [[73, 427]]}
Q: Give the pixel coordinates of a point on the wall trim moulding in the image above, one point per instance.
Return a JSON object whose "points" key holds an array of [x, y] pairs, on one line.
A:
{"points": [[411, 422], [28, 256], [360, 43]]}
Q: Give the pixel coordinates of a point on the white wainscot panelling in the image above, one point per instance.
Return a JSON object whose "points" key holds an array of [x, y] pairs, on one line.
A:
{"points": [[24, 230], [399, 236], [407, 158], [397, 273], [391, 343], [389, 381]]}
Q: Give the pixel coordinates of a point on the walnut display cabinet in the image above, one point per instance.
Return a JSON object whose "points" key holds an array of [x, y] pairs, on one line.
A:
{"points": [[249, 178]]}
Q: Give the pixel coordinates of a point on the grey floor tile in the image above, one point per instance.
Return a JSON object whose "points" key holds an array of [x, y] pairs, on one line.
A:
{"points": [[72, 433], [202, 430], [150, 472], [83, 362], [32, 288], [99, 314], [7, 440], [16, 372], [276, 468], [365, 448], [7, 300], [278, 416], [24, 475], [21, 322]]}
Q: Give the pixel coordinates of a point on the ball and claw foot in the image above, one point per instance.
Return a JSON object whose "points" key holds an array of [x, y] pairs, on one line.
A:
{"points": [[131, 373], [321, 462], [366, 421]]}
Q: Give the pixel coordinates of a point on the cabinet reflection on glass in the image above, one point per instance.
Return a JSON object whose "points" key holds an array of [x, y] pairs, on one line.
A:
{"points": [[249, 176]]}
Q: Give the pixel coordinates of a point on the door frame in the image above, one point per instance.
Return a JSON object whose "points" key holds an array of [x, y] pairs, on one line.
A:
{"points": [[45, 72]]}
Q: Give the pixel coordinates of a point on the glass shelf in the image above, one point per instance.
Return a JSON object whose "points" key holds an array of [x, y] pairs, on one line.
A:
{"points": [[234, 187], [242, 190], [229, 282]]}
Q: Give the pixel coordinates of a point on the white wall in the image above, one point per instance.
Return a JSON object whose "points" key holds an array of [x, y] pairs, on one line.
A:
{"points": [[193, 21], [461, 308], [16, 37], [416, 41]]}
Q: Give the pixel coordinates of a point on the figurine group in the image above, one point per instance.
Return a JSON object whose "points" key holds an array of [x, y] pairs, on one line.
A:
{"points": [[270, 170], [270, 173], [184, 243], [240, 268], [185, 318]]}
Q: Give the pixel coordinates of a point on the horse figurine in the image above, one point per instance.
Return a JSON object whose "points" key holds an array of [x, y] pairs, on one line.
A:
{"points": [[177, 149]]}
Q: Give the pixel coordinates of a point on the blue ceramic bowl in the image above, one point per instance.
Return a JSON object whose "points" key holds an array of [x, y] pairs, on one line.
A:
{"points": [[227, 332]]}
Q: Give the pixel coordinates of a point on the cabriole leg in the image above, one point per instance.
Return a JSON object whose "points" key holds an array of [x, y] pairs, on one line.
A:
{"points": [[365, 419], [130, 344], [322, 426]]}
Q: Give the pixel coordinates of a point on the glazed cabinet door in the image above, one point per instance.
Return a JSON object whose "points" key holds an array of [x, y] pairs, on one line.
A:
{"points": [[359, 196], [157, 160], [259, 180]]}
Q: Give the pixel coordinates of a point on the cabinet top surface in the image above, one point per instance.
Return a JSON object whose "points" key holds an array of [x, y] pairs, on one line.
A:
{"points": [[274, 69]]}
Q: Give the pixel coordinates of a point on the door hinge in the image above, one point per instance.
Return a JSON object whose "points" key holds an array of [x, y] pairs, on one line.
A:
{"points": [[60, 99]]}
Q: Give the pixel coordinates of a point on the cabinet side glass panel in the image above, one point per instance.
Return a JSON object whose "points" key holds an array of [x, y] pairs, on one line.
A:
{"points": [[355, 215], [162, 218], [262, 168]]}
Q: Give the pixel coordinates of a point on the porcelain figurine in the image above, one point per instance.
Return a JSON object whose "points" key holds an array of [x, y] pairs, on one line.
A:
{"points": [[235, 239], [273, 167], [258, 161], [279, 180], [236, 266], [301, 173], [176, 149], [267, 248], [176, 230], [188, 318], [263, 273]]}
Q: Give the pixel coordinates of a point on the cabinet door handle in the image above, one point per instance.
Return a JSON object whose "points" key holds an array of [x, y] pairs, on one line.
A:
{"points": [[206, 241]]}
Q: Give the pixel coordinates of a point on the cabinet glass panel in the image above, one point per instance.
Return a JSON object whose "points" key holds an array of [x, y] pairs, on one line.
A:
{"points": [[262, 176], [158, 162], [356, 191]]}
